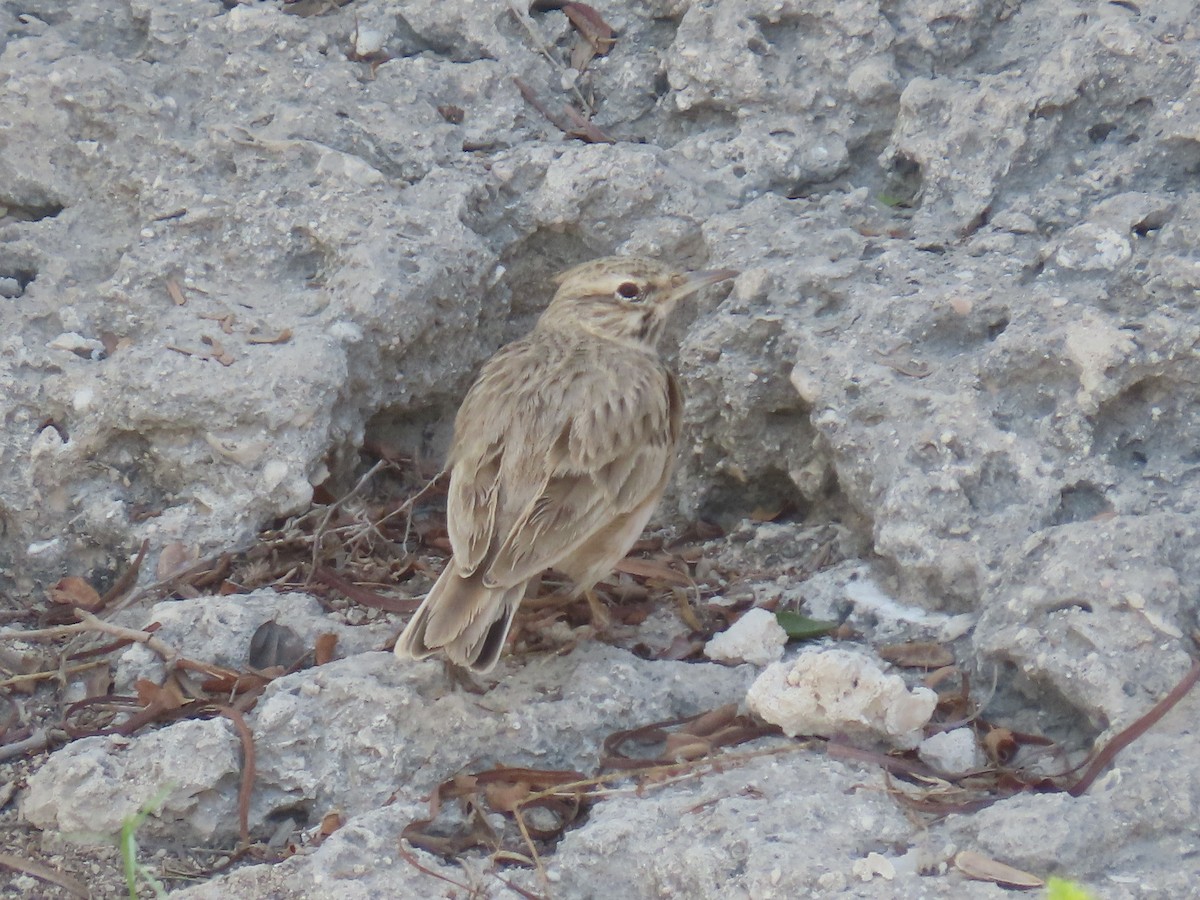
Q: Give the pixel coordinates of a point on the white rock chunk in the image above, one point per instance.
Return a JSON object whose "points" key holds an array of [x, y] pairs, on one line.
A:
{"points": [[756, 638], [90, 787], [953, 752], [830, 692]]}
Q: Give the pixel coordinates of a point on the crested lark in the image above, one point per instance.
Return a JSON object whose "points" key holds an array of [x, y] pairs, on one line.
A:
{"points": [[561, 451]]}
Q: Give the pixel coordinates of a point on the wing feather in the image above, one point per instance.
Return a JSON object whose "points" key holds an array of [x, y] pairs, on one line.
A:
{"points": [[541, 464]]}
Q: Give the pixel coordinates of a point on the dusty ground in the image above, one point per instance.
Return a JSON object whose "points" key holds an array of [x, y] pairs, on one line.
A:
{"points": [[247, 250]]}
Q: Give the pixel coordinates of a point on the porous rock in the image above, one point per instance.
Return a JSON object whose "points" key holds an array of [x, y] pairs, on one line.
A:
{"points": [[833, 692], [756, 638]]}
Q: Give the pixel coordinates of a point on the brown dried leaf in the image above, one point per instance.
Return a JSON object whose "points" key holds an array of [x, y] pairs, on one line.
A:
{"points": [[330, 822], [97, 682], [652, 569], [767, 513], [585, 129], [682, 646], [176, 292], [682, 746], [365, 597], [282, 338], [325, 647], [161, 698], [713, 720], [21, 662], [506, 797], [46, 873], [112, 343], [738, 730], [591, 26], [229, 683], [220, 354], [226, 320], [982, 868], [276, 645], [174, 558], [1000, 745], [582, 53], [917, 655], [75, 591], [945, 673]]}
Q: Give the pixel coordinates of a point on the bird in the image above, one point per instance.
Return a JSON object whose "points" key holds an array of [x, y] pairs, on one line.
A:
{"points": [[561, 450]]}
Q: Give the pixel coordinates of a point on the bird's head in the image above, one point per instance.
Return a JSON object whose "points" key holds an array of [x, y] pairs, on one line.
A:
{"points": [[623, 298]]}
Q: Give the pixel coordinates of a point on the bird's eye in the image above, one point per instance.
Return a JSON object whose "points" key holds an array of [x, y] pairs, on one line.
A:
{"points": [[629, 291]]}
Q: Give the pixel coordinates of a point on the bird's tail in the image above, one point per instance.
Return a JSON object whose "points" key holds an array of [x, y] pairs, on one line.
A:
{"points": [[462, 618]]}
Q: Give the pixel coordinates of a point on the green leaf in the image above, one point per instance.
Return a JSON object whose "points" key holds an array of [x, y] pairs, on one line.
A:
{"points": [[1061, 889], [802, 628], [128, 844]]}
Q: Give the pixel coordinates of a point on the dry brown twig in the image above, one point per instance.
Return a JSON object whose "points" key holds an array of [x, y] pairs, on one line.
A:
{"points": [[363, 526], [543, 47], [90, 623], [36, 742], [52, 673]]}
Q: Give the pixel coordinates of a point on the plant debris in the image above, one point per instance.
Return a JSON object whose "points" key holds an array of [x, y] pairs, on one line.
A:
{"points": [[978, 867], [801, 628]]}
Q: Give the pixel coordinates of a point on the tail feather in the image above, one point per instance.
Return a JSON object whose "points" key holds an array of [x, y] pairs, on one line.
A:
{"points": [[463, 619]]}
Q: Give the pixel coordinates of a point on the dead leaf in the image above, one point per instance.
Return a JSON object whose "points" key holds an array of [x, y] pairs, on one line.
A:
{"points": [[506, 797], [226, 320], [1000, 745], [913, 368], [98, 681], [982, 868], [683, 746], [653, 569], [112, 343], [159, 698], [364, 596], [220, 354], [176, 292], [276, 645], [54, 876], [714, 720], [737, 730], [330, 822], [75, 591], [325, 647], [591, 27], [917, 655], [282, 338], [228, 683], [935, 678], [174, 558], [585, 129], [766, 513]]}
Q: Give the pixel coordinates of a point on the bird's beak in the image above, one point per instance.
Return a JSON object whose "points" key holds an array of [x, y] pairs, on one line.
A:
{"points": [[694, 281]]}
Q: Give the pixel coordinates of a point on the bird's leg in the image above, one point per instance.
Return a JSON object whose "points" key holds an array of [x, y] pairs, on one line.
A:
{"points": [[601, 620], [533, 586], [463, 678]]}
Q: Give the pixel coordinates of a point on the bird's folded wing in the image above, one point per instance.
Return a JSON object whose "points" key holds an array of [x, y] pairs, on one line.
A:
{"points": [[534, 497]]}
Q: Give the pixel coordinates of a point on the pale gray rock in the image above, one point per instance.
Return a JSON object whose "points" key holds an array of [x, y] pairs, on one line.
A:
{"points": [[832, 692], [755, 638], [91, 787], [220, 630], [348, 735], [959, 363], [954, 752]]}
